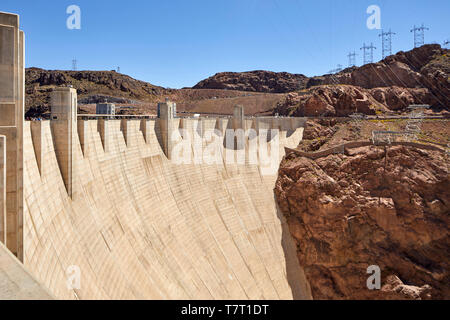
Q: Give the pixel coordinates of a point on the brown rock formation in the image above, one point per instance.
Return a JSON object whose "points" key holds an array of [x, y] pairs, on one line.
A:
{"points": [[100, 86], [89, 84], [347, 212], [424, 67], [419, 76], [396, 98], [255, 81], [343, 100]]}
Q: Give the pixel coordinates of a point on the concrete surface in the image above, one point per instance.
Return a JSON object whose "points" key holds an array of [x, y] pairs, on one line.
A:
{"points": [[12, 86], [139, 226], [16, 283]]}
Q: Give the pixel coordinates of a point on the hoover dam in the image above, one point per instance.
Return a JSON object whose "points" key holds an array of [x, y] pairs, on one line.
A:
{"points": [[101, 199]]}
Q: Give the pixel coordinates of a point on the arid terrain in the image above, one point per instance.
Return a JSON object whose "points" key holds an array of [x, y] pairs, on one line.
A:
{"points": [[373, 205], [419, 76], [136, 97], [324, 133]]}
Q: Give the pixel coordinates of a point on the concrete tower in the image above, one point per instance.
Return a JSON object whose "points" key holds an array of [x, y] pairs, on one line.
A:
{"points": [[63, 125], [238, 117], [166, 114], [12, 85]]}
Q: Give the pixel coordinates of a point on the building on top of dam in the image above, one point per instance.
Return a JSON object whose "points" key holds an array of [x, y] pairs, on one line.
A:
{"points": [[105, 108]]}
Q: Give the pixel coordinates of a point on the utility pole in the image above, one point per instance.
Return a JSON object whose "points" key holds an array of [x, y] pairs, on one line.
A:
{"points": [[419, 35], [74, 64], [351, 59], [368, 53], [386, 43]]}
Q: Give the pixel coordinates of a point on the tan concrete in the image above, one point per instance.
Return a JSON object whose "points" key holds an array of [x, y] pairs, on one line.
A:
{"points": [[16, 283], [82, 133], [36, 135], [145, 129], [124, 129], [11, 125], [166, 123], [102, 129], [238, 117], [143, 227], [2, 189], [64, 126]]}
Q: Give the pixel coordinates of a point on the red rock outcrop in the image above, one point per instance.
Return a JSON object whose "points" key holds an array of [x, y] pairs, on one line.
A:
{"points": [[343, 100], [396, 98], [419, 76], [424, 67], [369, 207]]}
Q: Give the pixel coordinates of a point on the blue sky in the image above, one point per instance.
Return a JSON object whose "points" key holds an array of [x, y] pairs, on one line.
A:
{"points": [[176, 43]]}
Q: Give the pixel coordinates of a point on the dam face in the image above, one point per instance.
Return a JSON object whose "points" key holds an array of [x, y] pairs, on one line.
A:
{"points": [[140, 227], [107, 215]]}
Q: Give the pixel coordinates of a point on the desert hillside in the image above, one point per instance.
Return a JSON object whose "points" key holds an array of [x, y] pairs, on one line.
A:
{"points": [[255, 81], [135, 97], [423, 67], [419, 76]]}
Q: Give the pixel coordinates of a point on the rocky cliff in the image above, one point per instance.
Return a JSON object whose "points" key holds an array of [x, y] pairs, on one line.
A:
{"points": [[93, 86], [419, 76], [343, 100], [372, 206], [99, 86], [255, 81], [425, 67]]}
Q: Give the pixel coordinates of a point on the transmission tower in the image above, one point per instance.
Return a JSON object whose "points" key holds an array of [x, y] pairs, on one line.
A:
{"points": [[74, 64], [386, 42], [419, 35], [338, 69], [351, 59], [368, 53], [118, 69]]}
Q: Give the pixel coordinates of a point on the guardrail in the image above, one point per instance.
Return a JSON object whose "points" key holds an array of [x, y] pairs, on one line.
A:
{"points": [[357, 144], [114, 117]]}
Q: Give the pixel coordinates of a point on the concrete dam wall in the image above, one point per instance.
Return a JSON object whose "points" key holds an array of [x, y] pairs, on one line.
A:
{"points": [[101, 209], [140, 227]]}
